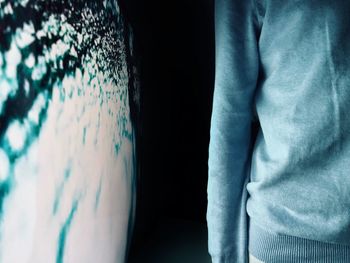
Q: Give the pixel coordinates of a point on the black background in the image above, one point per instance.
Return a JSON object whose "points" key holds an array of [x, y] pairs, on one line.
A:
{"points": [[174, 41]]}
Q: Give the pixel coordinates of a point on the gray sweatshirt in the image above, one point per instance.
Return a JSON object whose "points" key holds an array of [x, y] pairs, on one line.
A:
{"points": [[285, 196]]}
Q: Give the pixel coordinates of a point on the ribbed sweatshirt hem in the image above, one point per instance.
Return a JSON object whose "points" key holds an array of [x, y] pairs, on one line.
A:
{"points": [[276, 248]]}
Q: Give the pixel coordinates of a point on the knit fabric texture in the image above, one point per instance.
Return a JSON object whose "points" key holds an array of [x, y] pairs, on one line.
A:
{"points": [[286, 66]]}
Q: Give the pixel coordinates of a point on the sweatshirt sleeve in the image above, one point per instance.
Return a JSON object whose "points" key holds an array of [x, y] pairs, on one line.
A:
{"points": [[236, 73]]}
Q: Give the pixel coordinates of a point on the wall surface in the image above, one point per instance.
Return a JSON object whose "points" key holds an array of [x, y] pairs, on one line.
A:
{"points": [[67, 135]]}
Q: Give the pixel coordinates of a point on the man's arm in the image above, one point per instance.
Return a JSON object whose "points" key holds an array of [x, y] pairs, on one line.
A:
{"points": [[236, 73]]}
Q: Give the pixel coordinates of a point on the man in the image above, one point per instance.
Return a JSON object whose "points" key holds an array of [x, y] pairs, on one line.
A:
{"points": [[284, 196]]}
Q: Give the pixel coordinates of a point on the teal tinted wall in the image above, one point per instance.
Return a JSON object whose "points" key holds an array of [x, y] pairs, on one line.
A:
{"points": [[67, 136]]}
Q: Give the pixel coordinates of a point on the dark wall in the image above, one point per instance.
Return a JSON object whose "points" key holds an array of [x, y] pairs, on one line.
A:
{"points": [[175, 43]]}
